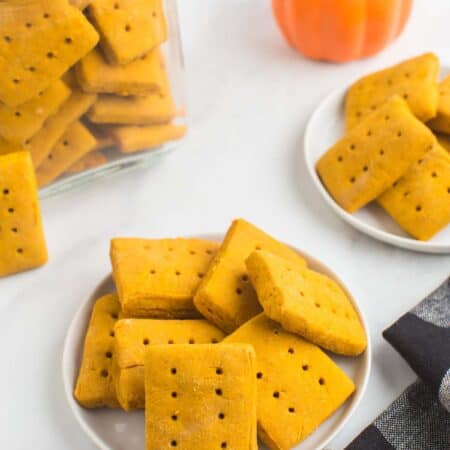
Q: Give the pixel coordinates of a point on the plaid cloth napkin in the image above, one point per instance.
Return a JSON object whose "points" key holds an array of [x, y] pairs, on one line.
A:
{"points": [[419, 419]]}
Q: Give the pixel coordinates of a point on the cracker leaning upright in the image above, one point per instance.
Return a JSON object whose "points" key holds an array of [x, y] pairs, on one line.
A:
{"points": [[415, 80], [95, 387], [129, 28], [374, 154], [18, 124], [132, 339], [298, 385], [307, 303], [200, 397], [420, 201], [225, 296], [75, 143], [158, 277], [22, 242], [40, 41]]}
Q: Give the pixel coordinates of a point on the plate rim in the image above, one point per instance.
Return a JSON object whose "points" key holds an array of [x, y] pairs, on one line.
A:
{"points": [[370, 230], [67, 356]]}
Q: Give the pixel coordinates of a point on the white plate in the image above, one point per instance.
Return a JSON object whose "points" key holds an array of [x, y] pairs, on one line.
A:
{"points": [[324, 128], [117, 430]]}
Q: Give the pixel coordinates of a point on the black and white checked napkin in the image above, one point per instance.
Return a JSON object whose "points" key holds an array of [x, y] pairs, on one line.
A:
{"points": [[420, 418]]}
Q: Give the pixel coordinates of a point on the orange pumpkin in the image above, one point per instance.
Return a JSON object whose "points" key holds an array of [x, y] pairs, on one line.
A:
{"points": [[340, 30]]}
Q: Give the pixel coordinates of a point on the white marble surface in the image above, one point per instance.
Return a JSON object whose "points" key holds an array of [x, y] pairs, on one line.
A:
{"points": [[250, 97]]}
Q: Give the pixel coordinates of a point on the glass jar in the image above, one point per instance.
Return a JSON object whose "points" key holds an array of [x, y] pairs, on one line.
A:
{"points": [[90, 88]]}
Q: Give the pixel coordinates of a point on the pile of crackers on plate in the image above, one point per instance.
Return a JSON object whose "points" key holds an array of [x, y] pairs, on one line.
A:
{"points": [[219, 342], [75, 83], [389, 153]]}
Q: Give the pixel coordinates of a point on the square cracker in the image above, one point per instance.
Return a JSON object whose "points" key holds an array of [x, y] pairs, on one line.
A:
{"points": [[153, 109], [18, 124], [441, 122], [420, 201], [414, 79], [140, 77], [132, 339], [131, 139], [225, 296], [158, 277], [40, 41], [306, 303], [374, 154], [55, 126], [22, 242], [74, 144], [95, 387], [298, 385], [200, 397], [128, 28]]}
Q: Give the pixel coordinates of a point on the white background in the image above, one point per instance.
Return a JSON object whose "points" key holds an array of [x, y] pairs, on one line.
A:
{"points": [[250, 96]]}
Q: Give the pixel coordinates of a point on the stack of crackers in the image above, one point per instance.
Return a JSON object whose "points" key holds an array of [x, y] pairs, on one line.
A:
{"points": [[74, 82], [219, 342], [396, 147]]}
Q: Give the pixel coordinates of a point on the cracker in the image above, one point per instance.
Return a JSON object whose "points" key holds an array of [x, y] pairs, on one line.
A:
{"points": [[90, 161], [132, 339], [9, 147], [200, 397], [40, 41], [140, 77], [298, 385], [420, 201], [95, 386], [53, 129], [17, 124], [441, 122], [131, 139], [373, 155], [414, 79], [158, 277], [156, 108], [22, 241], [129, 28], [306, 303], [225, 296], [74, 144]]}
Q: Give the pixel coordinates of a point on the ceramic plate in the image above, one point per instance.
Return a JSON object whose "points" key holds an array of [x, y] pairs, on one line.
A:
{"points": [[117, 430], [324, 128]]}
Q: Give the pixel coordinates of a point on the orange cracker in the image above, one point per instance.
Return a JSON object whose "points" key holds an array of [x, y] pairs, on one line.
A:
{"points": [[414, 79], [18, 124], [158, 277], [129, 28], [75, 143], [307, 303], [298, 385], [40, 41], [225, 296], [95, 387], [90, 161], [374, 154], [22, 242], [44, 140], [420, 201], [140, 77]]}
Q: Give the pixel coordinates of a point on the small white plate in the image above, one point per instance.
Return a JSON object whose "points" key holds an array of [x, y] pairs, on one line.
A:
{"points": [[116, 430], [324, 128]]}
